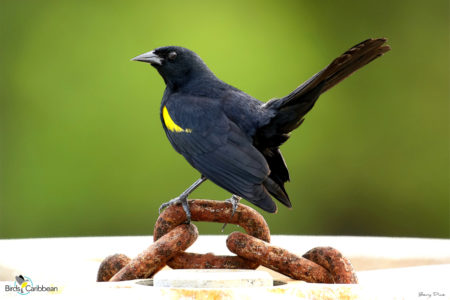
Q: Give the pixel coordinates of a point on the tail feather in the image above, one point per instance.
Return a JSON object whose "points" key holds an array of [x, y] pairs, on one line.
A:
{"points": [[277, 191], [290, 110], [340, 68]]}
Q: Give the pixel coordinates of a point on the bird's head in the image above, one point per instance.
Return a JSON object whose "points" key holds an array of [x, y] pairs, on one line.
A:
{"points": [[177, 65]]}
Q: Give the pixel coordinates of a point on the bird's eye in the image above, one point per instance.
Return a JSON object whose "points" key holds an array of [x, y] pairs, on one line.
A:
{"points": [[172, 55]]}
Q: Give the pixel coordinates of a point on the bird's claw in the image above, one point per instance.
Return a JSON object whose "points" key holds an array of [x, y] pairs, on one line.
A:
{"points": [[234, 200], [178, 200]]}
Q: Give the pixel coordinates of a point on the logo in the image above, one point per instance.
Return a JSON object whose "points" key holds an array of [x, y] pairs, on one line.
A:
{"points": [[24, 285]]}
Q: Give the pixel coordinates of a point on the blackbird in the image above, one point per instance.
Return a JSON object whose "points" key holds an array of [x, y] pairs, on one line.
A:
{"points": [[230, 137]]}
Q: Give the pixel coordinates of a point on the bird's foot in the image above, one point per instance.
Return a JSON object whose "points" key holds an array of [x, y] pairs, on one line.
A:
{"points": [[184, 203], [234, 200]]}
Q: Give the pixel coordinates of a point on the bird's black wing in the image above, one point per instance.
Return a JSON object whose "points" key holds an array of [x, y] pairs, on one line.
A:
{"points": [[198, 128]]}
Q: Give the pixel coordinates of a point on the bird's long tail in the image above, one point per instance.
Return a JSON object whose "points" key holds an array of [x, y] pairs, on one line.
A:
{"points": [[290, 110]]}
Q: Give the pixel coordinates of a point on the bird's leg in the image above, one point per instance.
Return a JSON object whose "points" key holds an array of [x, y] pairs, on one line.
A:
{"points": [[234, 200], [183, 199]]}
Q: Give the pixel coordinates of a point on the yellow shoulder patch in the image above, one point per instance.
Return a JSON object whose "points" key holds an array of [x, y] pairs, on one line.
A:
{"points": [[170, 124]]}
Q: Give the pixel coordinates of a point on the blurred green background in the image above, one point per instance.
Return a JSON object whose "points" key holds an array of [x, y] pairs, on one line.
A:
{"points": [[83, 151]]}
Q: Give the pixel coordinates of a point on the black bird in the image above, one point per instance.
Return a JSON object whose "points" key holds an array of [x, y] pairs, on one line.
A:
{"points": [[232, 138]]}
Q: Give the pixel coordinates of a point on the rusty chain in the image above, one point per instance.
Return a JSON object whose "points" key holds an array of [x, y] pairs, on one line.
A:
{"points": [[171, 237], [212, 211]]}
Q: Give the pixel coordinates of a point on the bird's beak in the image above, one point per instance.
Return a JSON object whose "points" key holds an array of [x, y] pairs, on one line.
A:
{"points": [[149, 57]]}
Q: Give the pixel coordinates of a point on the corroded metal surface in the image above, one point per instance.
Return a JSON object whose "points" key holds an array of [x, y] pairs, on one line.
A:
{"points": [[172, 236], [111, 265], [212, 211], [277, 259], [340, 267], [294, 266], [156, 255], [210, 261]]}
